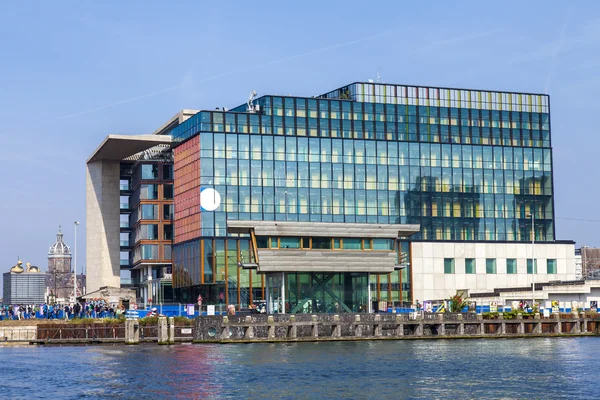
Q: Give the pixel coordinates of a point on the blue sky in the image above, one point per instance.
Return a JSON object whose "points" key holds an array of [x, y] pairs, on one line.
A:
{"points": [[73, 72]]}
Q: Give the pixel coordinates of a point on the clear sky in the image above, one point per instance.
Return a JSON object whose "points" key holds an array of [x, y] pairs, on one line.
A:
{"points": [[73, 72]]}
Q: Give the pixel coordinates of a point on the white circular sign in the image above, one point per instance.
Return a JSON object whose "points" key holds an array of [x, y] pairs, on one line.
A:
{"points": [[210, 199]]}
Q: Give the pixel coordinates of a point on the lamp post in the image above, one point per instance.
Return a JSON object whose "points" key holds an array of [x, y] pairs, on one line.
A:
{"points": [[533, 269], [75, 262]]}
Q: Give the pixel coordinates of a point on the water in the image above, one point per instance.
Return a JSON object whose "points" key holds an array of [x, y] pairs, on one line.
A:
{"points": [[545, 368]]}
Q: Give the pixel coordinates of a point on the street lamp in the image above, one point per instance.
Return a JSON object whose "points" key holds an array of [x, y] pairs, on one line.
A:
{"points": [[533, 269], [75, 262]]}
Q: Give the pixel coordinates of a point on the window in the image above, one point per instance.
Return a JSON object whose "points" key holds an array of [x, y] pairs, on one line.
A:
{"points": [[490, 266], [321, 243], [336, 244], [289, 243], [448, 265], [168, 211], [148, 191], [551, 266], [352, 244], [530, 266], [383, 244], [149, 171], [149, 251], [168, 232], [168, 171], [274, 243], [168, 192], [149, 211], [306, 243], [262, 242], [511, 266], [470, 266], [149, 232]]}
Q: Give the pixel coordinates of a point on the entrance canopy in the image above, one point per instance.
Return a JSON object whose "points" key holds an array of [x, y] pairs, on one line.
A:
{"points": [[331, 254]]}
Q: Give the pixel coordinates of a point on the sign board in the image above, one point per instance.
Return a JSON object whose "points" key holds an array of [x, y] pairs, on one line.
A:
{"points": [[546, 313], [210, 310], [189, 309], [132, 314], [186, 331], [555, 307], [493, 306], [594, 305]]}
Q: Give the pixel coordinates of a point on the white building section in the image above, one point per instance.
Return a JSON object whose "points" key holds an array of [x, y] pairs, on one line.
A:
{"points": [[439, 269]]}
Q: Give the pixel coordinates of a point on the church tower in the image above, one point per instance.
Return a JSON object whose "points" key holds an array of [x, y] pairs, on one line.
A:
{"points": [[59, 279]]}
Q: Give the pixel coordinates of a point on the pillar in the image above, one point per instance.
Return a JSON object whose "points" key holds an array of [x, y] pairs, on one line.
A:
{"points": [[315, 327], [337, 328], [271, 323], [132, 331], [249, 333], [292, 327], [171, 330], [377, 330], [163, 336], [400, 326], [357, 326]]}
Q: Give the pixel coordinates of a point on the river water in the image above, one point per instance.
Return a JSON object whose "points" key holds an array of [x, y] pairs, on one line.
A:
{"points": [[544, 368]]}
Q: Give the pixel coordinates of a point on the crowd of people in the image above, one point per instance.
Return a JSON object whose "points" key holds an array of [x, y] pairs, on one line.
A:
{"points": [[88, 309]]}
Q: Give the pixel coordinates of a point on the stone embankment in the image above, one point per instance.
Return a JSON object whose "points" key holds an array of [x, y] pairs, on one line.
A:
{"points": [[295, 328], [291, 328]]}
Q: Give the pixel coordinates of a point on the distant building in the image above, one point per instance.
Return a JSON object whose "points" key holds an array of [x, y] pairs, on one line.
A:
{"points": [[24, 286], [59, 279]]}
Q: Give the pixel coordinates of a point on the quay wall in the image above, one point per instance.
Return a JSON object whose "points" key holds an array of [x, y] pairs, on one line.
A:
{"points": [[292, 328], [273, 328]]}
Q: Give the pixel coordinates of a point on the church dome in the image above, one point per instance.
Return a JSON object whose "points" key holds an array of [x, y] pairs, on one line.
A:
{"points": [[59, 248]]}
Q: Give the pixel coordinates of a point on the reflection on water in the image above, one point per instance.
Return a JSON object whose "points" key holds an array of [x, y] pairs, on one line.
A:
{"points": [[505, 368]]}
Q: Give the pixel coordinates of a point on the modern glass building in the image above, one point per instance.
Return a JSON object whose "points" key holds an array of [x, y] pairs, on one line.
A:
{"points": [[468, 167]]}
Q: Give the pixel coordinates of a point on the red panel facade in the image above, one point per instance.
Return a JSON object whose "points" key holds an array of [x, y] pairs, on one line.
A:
{"points": [[187, 190]]}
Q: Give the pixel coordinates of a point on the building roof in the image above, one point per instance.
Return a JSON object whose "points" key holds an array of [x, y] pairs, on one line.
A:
{"points": [[118, 147], [59, 248]]}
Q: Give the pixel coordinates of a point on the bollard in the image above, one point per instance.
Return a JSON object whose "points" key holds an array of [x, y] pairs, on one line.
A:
{"points": [[315, 326], [171, 338], [163, 337]]}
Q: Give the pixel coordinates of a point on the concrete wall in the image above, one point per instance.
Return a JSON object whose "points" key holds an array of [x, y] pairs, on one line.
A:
{"points": [[431, 283], [102, 224]]}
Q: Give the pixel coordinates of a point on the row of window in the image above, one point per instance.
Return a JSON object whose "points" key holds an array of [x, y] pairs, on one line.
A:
{"points": [[370, 152], [490, 266], [151, 171], [442, 130], [324, 243]]}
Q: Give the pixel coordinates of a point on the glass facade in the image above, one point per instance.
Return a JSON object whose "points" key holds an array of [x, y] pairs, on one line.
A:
{"points": [[465, 165]]}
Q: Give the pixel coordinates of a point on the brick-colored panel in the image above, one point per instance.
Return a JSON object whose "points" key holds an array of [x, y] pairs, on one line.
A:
{"points": [[186, 171]]}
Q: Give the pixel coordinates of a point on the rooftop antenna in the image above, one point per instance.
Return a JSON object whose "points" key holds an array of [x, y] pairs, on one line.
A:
{"points": [[378, 76], [250, 101]]}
